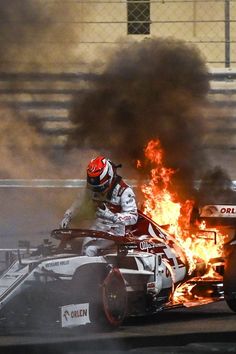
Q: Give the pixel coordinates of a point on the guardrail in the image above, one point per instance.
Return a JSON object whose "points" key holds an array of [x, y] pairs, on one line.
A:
{"points": [[67, 183], [48, 183]]}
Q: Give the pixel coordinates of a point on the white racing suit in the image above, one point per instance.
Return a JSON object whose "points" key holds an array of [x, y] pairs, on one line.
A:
{"points": [[116, 210]]}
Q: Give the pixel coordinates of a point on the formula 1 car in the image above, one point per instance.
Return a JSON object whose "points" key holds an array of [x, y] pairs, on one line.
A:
{"points": [[138, 276], [223, 217]]}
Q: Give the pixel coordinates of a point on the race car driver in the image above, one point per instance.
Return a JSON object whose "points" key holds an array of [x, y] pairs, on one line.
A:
{"points": [[115, 204]]}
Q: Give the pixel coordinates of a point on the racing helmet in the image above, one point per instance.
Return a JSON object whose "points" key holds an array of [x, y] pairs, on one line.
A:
{"points": [[100, 174]]}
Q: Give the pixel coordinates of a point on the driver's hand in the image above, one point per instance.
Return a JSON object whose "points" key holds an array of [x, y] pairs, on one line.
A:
{"points": [[65, 221], [105, 213]]}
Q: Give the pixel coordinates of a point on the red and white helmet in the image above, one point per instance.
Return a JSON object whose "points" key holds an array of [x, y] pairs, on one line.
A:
{"points": [[100, 174]]}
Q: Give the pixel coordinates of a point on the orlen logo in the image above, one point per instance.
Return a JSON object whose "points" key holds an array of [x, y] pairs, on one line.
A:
{"points": [[75, 315], [227, 210], [218, 211]]}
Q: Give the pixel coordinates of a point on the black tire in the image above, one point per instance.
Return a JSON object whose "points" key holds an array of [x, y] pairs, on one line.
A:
{"points": [[87, 288], [232, 304], [104, 289], [114, 298], [230, 277]]}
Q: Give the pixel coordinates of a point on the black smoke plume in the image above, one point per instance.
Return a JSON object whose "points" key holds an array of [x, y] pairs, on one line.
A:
{"points": [[151, 90], [216, 188], [38, 35]]}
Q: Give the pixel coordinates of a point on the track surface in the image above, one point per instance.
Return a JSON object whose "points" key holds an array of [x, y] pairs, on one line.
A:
{"points": [[209, 328]]}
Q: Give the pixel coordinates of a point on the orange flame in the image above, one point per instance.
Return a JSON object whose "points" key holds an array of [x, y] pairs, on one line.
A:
{"points": [[161, 206], [139, 164], [159, 202]]}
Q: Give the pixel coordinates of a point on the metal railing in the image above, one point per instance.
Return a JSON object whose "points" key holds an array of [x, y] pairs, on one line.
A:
{"points": [[48, 183]]}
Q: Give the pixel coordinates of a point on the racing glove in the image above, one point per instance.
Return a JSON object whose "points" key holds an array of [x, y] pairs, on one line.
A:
{"points": [[105, 213], [66, 220]]}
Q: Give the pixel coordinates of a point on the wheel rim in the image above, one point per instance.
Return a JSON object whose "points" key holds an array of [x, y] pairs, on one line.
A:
{"points": [[114, 297]]}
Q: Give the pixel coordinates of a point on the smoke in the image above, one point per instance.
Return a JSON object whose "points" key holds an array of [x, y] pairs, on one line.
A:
{"points": [[21, 148], [31, 213], [26, 154], [35, 36], [153, 89], [38, 35], [216, 187]]}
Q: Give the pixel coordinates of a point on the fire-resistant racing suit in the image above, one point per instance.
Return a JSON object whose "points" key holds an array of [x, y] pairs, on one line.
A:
{"points": [[115, 210]]}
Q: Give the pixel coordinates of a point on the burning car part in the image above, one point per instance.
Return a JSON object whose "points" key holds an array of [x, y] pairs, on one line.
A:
{"points": [[196, 239]]}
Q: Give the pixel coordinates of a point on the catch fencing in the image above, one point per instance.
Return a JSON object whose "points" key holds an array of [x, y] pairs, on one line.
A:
{"points": [[67, 34]]}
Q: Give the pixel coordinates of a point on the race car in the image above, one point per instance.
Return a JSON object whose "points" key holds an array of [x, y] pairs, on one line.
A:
{"points": [[138, 275], [222, 217]]}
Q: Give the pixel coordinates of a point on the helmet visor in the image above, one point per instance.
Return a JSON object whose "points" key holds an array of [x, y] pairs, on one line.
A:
{"points": [[95, 184]]}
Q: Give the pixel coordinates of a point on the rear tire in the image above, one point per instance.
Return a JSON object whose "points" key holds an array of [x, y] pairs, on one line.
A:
{"points": [[114, 298], [104, 289], [232, 304], [230, 277]]}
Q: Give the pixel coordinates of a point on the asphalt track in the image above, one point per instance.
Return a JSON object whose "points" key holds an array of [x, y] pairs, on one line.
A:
{"points": [[204, 329]]}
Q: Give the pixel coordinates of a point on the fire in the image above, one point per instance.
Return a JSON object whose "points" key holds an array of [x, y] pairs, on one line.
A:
{"points": [[159, 202], [139, 164], [162, 206]]}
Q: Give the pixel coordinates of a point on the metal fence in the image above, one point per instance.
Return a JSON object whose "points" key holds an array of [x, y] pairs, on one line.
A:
{"points": [[65, 34]]}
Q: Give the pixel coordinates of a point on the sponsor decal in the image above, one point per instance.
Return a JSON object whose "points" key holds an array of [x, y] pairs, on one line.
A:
{"points": [[152, 287], [57, 263], [75, 315], [218, 211], [130, 200], [65, 232], [145, 245], [225, 210]]}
